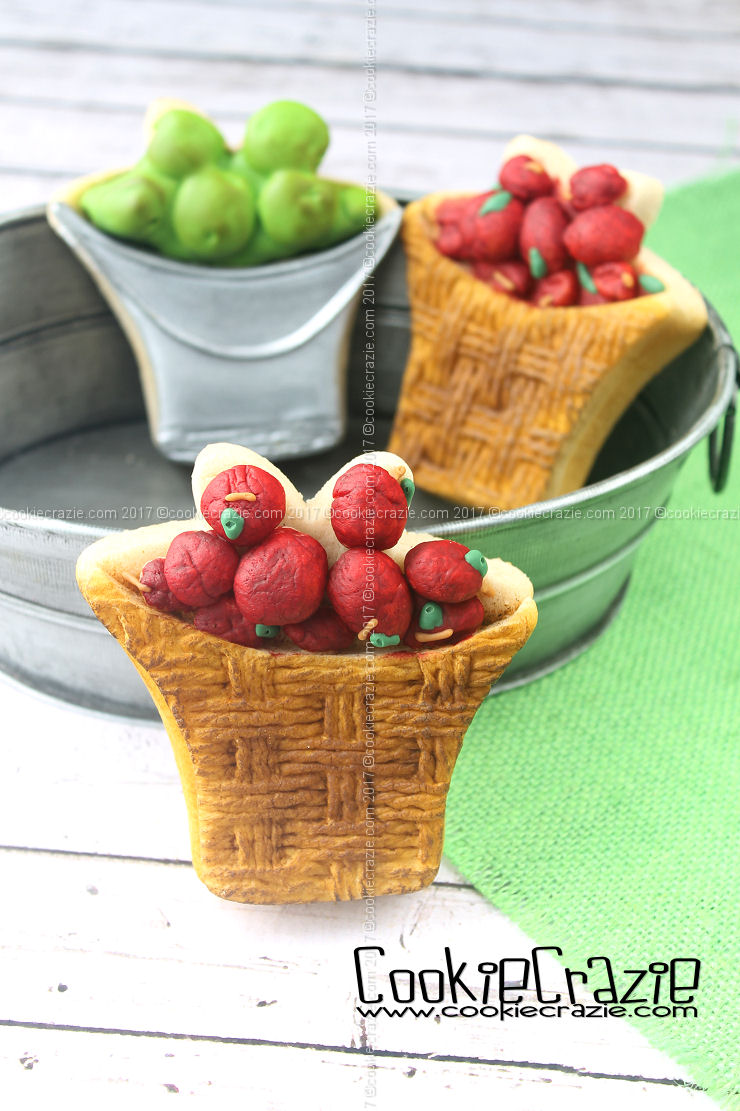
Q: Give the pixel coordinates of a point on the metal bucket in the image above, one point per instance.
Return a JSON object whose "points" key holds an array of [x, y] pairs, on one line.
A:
{"points": [[76, 461], [252, 355]]}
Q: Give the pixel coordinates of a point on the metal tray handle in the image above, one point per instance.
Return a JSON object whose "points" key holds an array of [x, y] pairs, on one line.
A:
{"points": [[719, 457]]}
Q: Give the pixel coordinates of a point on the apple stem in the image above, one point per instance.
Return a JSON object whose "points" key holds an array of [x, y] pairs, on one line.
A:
{"points": [[239, 495], [135, 582], [365, 632], [443, 634]]}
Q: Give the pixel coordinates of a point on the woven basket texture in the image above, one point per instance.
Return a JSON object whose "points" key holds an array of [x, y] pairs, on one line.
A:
{"points": [[278, 751]]}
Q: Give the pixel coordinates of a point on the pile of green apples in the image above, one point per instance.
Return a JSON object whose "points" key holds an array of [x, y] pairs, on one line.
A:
{"points": [[191, 198]]}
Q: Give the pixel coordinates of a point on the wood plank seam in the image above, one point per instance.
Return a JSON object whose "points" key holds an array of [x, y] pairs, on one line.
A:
{"points": [[394, 1054], [180, 862], [409, 69], [389, 126]]}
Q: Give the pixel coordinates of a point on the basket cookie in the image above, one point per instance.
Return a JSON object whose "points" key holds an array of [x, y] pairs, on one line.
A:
{"points": [[304, 731], [537, 318]]}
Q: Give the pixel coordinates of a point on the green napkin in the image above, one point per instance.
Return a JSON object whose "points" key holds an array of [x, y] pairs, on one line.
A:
{"points": [[599, 806]]}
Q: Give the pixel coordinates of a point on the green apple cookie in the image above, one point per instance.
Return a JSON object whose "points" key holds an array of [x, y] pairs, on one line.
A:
{"points": [[192, 199], [285, 135], [213, 213]]}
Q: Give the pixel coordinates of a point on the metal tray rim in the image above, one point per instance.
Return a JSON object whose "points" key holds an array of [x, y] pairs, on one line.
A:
{"points": [[709, 420]]}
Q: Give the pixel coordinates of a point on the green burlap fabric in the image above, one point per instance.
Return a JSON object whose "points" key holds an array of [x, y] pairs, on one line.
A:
{"points": [[599, 806]]}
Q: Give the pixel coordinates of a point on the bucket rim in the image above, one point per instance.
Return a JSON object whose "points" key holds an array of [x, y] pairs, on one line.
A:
{"points": [[388, 221]]}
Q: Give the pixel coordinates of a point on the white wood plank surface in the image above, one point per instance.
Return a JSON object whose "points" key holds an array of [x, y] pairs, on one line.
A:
{"points": [[68, 109], [439, 103], [665, 18], [407, 160], [36, 1064], [132, 946], [410, 41]]}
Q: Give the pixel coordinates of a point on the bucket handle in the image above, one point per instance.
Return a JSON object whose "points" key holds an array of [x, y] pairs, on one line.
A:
{"points": [[719, 457]]}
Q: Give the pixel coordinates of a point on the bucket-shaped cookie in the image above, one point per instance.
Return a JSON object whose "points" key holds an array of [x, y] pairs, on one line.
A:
{"points": [[250, 354]]}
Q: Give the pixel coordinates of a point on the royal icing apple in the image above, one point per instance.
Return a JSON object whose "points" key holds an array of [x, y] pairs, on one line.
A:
{"points": [[335, 574], [547, 231]]}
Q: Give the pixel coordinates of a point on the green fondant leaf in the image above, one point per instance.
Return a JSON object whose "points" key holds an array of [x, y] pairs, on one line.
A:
{"points": [[408, 487], [584, 277], [232, 523], [537, 265], [651, 284], [431, 616], [380, 640], [267, 632], [478, 560], [495, 203]]}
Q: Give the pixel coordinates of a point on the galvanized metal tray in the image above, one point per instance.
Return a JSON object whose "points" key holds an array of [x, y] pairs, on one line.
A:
{"points": [[76, 461]]}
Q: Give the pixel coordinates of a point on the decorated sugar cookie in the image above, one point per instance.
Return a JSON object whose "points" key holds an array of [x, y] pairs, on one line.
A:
{"points": [[537, 317], [296, 672]]}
